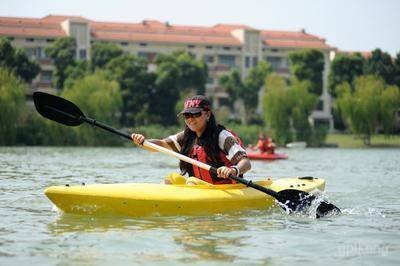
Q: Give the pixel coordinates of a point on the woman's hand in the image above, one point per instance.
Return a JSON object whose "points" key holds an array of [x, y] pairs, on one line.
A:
{"points": [[138, 139], [225, 172]]}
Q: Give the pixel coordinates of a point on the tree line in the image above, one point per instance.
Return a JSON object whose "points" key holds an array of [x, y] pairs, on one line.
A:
{"points": [[126, 91]]}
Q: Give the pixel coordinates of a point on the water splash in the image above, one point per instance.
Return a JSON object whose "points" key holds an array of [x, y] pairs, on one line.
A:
{"points": [[311, 210]]}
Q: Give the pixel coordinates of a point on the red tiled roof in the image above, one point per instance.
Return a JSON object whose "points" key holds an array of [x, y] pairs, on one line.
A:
{"points": [[31, 32], [156, 31], [293, 39], [166, 38], [297, 44], [229, 27], [365, 54], [59, 19], [28, 27]]}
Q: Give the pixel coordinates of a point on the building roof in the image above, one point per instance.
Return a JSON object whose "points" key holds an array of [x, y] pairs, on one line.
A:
{"points": [[156, 31]]}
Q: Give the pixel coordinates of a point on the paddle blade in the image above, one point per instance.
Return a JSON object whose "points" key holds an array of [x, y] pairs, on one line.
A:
{"points": [[57, 109], [326, 208], [293, 200]]}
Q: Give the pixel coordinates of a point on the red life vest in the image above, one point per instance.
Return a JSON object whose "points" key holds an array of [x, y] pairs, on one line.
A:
{"points": [[198, 153]]}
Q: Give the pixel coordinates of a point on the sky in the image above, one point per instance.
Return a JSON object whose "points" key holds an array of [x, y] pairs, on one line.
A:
{"points": [[349, 25]]}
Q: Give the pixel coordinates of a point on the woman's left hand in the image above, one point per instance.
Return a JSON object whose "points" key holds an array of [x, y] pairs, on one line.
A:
{"points": [[225, 172]]}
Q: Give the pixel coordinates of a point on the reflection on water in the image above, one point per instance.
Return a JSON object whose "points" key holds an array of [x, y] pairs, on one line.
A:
{"points": [[201, 237]]}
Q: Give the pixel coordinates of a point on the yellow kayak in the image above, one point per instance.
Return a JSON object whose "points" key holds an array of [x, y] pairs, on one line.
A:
{"points": [[143, 199]]}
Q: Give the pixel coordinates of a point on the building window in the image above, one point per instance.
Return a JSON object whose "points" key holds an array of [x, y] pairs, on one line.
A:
{"points": [[255, 60], [276, 62], [228, 60], [224, 102], [191, 46], [275, 50], [82, 53], [30, 39], [49, 40], [226, 48], [321, 123], [46, 76], [30, 52], [143, 44], [124, 43], [40, 53], [320, 105], [148, 56], [247, 62], [210, 80], [209, 47], [208, 59], [239, 48]]}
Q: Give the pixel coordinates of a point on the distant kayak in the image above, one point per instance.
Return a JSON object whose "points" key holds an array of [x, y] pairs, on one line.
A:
{"points": [[266, 156]]}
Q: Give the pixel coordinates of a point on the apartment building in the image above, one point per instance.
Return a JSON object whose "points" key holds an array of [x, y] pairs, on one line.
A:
{"points": [[222, 47]]}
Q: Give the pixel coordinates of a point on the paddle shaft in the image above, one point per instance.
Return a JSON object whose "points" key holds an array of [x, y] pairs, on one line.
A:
{"points": [[179, 156]]}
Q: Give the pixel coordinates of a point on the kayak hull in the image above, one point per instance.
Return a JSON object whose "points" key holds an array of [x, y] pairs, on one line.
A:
{"points": [[142, 199], [266, 156]]}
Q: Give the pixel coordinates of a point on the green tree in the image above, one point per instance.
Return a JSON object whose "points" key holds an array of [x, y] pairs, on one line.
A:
{"points": [[380, 64], [248, 90], [397, 69], [16, 61], [361, 106], [12, 104], [63, 53], [192, 73], [252, 85], [232, 84], [302, 104], [98, 98], [390, 105], [277, 108], [136, 84], [308, 65], [166, 93], [80, 69], [177, 74], [102, 53], [345, 68]]}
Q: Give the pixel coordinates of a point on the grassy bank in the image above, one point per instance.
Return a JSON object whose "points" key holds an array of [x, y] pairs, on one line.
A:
{"points": [[352, 141]]}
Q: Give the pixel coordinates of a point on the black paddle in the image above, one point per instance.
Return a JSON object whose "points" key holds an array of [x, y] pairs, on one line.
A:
{"points": [[65, 112]]}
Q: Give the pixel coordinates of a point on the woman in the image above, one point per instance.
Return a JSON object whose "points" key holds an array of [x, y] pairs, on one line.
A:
{"points": [[205, 141], [265, 144]]}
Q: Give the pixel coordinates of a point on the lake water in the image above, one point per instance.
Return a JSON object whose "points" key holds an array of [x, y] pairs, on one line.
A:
{"points": [[364, 183]]}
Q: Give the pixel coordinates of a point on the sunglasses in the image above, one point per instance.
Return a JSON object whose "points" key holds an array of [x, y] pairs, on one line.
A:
{"points": [[188, 115]]}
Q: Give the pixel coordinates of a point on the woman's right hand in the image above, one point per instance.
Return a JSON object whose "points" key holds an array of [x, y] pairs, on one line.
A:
{"points": [[138, 139]]}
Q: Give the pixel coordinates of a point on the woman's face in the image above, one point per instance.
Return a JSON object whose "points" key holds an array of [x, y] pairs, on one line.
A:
{"points": [[197, 122]]}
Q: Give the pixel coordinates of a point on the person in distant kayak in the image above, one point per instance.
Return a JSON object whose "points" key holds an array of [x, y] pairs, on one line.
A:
{"points": [[206, 141], [265, 144]]}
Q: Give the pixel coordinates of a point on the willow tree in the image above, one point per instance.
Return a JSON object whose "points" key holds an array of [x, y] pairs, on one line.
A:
{"points": [[302, 104], [12, 104], [98, 98], [390, 104], [277, 108], [368, 105]]}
